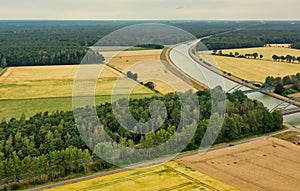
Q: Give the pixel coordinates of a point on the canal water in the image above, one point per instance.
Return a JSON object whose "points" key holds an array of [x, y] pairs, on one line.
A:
{"points": [[181, 58]]}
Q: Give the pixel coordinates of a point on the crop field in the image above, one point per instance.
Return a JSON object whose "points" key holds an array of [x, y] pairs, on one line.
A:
{"points": [[147, 64], [168, 176], [15, 108], [55, 81], [296, 96], [270, 164], [279, 45], [49, 88], [250, 69], [267, 52], [124, 59]]}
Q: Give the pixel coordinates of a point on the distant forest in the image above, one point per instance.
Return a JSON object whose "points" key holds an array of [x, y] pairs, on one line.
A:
{"points": [[283, 32], [31, 43]]}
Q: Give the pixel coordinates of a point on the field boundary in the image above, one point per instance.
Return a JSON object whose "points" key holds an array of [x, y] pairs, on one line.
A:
{"points": [[3, 71]]}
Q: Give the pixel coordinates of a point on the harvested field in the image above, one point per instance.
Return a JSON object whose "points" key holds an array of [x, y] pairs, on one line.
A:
{"points": [[125, 59], [148, 66], [168, 176], [296, 96], [279, 45], [267, 52], [251, 69], [55, 81], [270, 164]]}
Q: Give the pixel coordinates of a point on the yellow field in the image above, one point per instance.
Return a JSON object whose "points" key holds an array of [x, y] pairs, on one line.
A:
{"points": [[267, 52], [279, 45], [251, 69], [125, 59], [168, 176], [55, 81], [270, 164], [296, 96], [147, 64]]}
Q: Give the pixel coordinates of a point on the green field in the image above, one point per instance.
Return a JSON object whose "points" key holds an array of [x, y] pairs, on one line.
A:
{"points": [[15, 108], [168, 176], [30, 90]]}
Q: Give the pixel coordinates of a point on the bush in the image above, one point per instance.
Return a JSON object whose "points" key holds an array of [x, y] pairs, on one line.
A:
{"points": [[16, 187]]}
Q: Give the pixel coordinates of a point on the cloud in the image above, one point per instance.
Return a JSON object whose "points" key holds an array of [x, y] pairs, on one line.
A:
{"points": [[145, 9]]}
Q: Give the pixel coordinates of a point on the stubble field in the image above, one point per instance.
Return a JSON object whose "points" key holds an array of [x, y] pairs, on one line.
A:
{"points": [[255, 69], [270, 164]]}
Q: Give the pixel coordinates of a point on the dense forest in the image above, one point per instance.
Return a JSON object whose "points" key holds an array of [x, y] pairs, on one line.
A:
{"points": [[286, 85], [272, 32], [66, 42], [46, 147]]}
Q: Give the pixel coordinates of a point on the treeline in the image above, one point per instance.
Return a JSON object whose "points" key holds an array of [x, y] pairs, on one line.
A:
{"points": [[272, 32], [31, 57], [286, 85], [238, 55], [287, 58], [65, 42], [48, 146]]}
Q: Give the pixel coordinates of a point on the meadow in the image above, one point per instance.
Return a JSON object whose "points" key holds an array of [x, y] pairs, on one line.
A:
{"points": [[16, 107], [167, 176]]}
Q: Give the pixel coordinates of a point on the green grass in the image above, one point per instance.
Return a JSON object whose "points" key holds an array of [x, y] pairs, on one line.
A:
{"points": [[2, 71], [15, 108], [287, 136]]}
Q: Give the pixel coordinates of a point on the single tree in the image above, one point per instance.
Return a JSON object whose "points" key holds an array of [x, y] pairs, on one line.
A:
{"points": [[279, 89], [129, 74], [261, 56], [255, 55], [3, 62], [135, 76], [275, 57], [150, 85]]}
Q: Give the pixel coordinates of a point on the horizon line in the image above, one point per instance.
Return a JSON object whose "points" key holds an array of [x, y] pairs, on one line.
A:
{"points": [[56, 19]]}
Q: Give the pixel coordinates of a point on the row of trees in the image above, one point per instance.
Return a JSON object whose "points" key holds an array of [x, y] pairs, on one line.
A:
{"points": [[48, 146], [131, 75], [286, 85], [238, 55], [287, 58]]}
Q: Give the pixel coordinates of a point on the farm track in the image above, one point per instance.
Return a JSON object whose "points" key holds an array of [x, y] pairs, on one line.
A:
{"points": [[192, 179]]}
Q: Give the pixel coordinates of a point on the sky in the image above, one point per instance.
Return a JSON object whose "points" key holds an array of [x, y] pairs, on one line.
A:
{"points": [[150, 9]]}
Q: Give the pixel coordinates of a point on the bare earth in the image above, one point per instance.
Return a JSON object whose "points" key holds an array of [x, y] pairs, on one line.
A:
{"points": [[270, 164]]}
